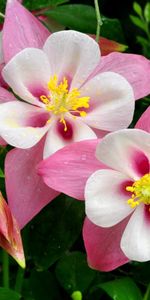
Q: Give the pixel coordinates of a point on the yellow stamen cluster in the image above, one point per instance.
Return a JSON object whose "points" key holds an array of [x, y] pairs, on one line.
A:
{"points": [[61, 100], [140, 191]]}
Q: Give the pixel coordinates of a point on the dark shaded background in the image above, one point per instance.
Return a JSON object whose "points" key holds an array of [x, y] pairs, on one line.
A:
{"points": [[120, 10]]}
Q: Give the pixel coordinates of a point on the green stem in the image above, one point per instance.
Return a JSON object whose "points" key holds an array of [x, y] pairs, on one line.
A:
{"points": [[5, 269], [147, 294], [99, 20], [19, 279]]}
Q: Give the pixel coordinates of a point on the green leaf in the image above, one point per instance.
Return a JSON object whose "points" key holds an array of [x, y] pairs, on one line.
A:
{"points": [[7, 294], [122, 289], [2, 6], [137, 8], [138, 22], [55, 230], [147, 12], [44, 286], [1, 174], [141, 271], [73, 272], [27, 293], [38, 4], [75, 16], [143, 41], [145, 44], [112, 29], [82, 18], [147, 294]]}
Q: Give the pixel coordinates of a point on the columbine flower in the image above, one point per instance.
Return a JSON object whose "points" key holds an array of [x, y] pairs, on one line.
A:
{"points": [[10, 238], [113, 195], [20, 163], [61, 101]]}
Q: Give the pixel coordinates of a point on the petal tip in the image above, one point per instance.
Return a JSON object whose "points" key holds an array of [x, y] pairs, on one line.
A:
{"points": [[21, 262]]}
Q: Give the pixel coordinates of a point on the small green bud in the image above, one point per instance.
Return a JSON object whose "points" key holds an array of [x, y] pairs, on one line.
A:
{"points": [[77, 295]]}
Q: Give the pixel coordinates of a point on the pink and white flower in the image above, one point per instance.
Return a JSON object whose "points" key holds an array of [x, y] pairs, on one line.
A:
{"points": [[60, 101], [123, 191], [23, 30], [67, 171]]}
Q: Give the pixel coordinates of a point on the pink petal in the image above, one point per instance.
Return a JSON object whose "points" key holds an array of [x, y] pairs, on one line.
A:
{"points": [[135, 68], [144, 121], [1, 49], [2, 82], [135, 242], [6, 96], [103, 246], [57, 138], [21, 29], [129, 153], [2, 142], [68, 169], [27, 194], [10, 238]]}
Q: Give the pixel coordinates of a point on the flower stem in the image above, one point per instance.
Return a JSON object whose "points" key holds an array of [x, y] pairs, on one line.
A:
{"points": [[147, 294], [19, 279], [99, 20], [5, 269]]}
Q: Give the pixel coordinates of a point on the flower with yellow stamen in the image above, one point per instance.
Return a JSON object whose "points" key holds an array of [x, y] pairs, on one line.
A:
{"points": [[118, 198], [60, 100], [140, 190]]}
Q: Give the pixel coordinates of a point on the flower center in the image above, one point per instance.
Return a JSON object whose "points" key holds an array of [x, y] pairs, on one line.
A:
{"points": [[61, 100], [140, 190]]}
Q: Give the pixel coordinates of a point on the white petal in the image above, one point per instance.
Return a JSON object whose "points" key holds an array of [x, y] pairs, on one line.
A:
{"points": [[56, 140], [28, 69], [135, 242], [105, 201], [111, 101], [72, 54], [16, 119], [127, 151]]}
